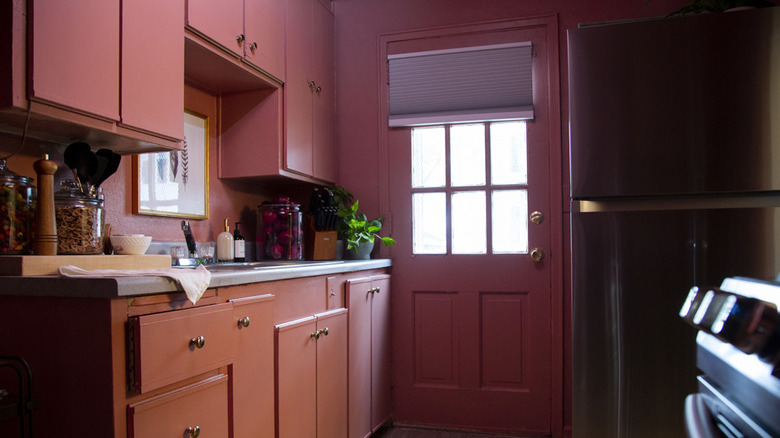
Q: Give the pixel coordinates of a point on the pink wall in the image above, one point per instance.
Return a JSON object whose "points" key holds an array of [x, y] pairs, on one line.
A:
{"points": [[359, 128]]}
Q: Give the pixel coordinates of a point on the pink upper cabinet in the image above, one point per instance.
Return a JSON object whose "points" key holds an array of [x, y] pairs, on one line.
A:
{"points": [[74, 60], [153, 79]]}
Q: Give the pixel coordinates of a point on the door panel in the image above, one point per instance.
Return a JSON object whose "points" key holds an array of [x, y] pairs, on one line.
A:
{"points": [[296, 379], [381, 353], [75, 56]]}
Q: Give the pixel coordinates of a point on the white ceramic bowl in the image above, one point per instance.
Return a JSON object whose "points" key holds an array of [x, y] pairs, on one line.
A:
{"points": [[130, 244]]}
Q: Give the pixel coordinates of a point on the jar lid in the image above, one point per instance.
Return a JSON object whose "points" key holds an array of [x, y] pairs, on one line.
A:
{"points": [[9, 176], [70, 194], [279, 206]]}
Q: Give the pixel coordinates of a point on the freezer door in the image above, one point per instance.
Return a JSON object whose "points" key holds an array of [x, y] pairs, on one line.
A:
{"points": [[633, 356], [676, 105]]}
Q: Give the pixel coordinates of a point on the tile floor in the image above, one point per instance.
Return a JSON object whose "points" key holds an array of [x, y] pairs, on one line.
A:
{"points": [[409, 432]]}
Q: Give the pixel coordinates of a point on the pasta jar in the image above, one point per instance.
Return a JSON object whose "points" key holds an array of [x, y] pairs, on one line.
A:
{"points": [[279, 235], [79, 220], [17, 210]]}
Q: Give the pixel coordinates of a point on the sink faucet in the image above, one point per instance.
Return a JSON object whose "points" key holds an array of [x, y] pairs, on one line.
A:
{"points": [[185, 226]]}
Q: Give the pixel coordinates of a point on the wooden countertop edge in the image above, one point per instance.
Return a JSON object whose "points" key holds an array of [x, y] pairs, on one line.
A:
{"points": [[118, 287]]}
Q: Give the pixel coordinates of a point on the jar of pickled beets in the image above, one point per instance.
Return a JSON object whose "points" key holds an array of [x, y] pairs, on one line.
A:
{"points": [[279, 235], [17, 209]]}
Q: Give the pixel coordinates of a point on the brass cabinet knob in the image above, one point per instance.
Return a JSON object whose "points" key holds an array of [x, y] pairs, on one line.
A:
{"points": [[324, 331], [193, 431], [253, 47], [240, 38], [244, 321], [318, 90], [315, 335], [312, 84], [198, 342], [537, 217], [377, 290], [537, 255]]}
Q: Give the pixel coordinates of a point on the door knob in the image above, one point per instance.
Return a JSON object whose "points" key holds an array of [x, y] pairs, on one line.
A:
{"points": [[537, 255], [537, 217]]}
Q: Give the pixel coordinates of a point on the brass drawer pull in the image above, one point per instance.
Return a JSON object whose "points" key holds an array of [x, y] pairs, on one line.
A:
{"points": [[198, 342], [244, 321], [193, 431]]}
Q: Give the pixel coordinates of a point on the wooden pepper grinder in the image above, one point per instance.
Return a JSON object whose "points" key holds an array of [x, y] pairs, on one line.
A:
{"points": [[45, 242]]}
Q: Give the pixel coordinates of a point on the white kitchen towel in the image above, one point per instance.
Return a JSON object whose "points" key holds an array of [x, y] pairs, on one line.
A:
{"points": [[193, 281]]}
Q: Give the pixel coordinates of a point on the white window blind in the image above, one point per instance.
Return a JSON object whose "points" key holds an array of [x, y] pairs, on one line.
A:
{"points": [[471, 84]]}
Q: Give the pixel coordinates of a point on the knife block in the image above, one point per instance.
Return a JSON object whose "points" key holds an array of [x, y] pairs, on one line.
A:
{"points": [[318, 245]]}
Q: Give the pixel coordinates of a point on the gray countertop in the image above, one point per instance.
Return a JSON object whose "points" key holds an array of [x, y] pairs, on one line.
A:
{"points": [[113, 287]]}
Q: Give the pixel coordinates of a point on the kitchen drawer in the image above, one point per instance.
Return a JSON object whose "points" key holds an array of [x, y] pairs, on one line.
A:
{"points": [[164, 347], [198, 408]]}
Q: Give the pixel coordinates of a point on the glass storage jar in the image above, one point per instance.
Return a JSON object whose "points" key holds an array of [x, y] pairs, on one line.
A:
{"points": [[79, 219], [279, 235], [17, 211]]}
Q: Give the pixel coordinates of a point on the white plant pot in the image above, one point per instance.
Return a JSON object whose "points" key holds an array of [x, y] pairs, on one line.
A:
{"points": [[362, 252]]}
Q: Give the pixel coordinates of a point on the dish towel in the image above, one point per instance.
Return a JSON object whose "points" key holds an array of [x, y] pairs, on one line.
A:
{"points": [[193, 281]]}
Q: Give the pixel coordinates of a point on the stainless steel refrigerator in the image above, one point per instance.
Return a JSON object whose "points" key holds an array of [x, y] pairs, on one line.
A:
{"points": [[675, 182]]}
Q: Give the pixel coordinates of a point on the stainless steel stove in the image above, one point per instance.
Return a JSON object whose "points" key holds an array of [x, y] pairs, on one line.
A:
{"points": [[738, 353]]}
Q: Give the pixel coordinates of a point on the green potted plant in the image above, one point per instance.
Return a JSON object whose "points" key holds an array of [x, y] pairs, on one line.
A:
{"points": [[700, 6], [354, 228]]}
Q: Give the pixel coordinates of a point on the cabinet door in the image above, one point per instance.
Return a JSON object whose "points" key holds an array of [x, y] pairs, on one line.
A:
{"points": [[152, 90], [220, 20], [264, 27], [253, 367], [359, 362], [202, 406], [323, 141], [298, 92], [75, 55], [381, 358], [296, 378], [332, 374]]}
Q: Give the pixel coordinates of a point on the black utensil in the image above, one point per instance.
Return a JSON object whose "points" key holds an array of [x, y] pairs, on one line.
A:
{"points": [[87, 165], [112, 165], [72, 156]]}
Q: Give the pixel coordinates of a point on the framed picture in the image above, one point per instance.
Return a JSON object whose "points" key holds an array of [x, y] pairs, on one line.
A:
{"points": [[175, 183]]}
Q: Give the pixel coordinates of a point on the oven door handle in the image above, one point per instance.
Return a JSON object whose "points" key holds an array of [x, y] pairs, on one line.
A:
{"points": [[698, 418]]}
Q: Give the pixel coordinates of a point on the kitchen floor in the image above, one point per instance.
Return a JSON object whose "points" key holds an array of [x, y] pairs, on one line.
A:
{"points": [[408, 432]]}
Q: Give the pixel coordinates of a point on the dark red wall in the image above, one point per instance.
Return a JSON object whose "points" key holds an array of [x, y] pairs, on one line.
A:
{"points": [[359, 23]]}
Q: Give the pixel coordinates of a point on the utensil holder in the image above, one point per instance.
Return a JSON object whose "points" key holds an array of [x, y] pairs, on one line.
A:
{"points": [[319, 245]]}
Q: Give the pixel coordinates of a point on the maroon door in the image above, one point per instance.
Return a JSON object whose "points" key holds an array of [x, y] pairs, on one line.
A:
{"points": [[472, 343]]}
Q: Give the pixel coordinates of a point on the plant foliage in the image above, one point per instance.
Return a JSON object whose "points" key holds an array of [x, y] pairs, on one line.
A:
{"points": [[359, 229], [701, 6]]}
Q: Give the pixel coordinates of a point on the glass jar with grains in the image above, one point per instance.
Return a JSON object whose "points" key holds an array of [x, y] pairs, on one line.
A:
{"points": [[17, 208], [79, 220]]}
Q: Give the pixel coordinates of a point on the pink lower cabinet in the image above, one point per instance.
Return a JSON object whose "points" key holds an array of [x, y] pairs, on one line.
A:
{"points": [[252, 384], [200, 408], [368, 301], [311, 376], [207, 369]]}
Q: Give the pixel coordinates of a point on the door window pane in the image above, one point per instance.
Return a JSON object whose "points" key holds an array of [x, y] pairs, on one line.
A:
{"points": [[510, 221], [467, 155], [428, 164], [469, 230], [508, 162], [429, 223]]}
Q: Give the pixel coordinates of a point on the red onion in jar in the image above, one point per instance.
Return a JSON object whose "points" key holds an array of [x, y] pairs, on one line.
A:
{"points": [[279, 231]]}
